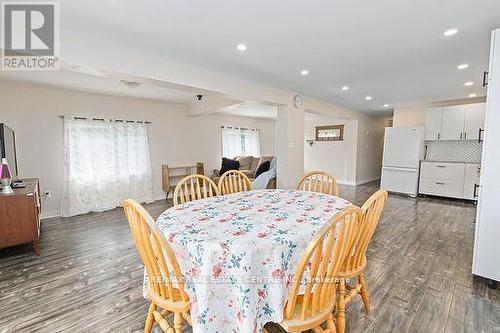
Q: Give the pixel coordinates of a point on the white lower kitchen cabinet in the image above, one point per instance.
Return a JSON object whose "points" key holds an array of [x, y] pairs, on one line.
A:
{"points": [[471, 181], [449, 179]]}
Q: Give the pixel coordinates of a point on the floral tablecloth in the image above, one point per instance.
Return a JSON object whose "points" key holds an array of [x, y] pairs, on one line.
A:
{"points": [[238, 251]]}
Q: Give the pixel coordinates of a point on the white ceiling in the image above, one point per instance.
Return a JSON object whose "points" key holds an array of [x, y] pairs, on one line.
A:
{"points": [[392, 50], [99, 84]]}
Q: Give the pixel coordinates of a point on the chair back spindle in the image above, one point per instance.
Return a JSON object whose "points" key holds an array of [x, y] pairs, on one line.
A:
{"points": [[371, 212], [194, 187], [318, 181], [323, 258], [234, 181], [164, 275]]}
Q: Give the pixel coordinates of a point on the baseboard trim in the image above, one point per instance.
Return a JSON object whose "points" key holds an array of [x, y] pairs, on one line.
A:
{"points": [[346, 182], [50, 214]]}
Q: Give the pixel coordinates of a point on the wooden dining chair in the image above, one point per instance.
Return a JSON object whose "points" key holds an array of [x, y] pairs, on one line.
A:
{"points": [[318, 181], [194, 187], [233, 181], [165, 282], [311, 302], [355, 263]]}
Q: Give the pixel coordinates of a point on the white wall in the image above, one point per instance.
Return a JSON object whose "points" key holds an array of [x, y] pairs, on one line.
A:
{"points": [[175, 138], [357, 159], [289, 145], [335, 157], [370, 147], [409, 116]]}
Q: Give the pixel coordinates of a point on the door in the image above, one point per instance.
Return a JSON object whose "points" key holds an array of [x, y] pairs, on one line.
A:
{"points": [[453, 123], [487, 244], [474, 120], [433, 123], [403, 146]]}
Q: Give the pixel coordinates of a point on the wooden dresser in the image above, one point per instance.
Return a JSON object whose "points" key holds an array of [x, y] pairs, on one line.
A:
{"points": [[20, 216]]}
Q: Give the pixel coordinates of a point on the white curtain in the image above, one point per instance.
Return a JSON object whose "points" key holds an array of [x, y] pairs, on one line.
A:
{"points": [[231, 142], [106, 162], [240, 141], [252, 142]]}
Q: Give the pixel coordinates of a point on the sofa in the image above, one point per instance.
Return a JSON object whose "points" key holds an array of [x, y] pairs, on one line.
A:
{"points": [[248, 165]]}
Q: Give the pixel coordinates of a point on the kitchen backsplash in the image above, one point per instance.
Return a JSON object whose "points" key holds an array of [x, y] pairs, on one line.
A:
{"points": [[454, 151]]}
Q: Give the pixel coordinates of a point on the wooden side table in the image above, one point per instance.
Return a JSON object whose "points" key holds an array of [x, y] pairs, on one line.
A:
{"points": [[20, 216]]}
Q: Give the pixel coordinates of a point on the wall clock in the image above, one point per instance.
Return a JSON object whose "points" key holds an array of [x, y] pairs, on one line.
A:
{"points": [[298, 101]]}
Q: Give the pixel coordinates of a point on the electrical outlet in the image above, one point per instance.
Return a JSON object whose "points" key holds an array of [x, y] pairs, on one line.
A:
{"points": [[46, 194]]}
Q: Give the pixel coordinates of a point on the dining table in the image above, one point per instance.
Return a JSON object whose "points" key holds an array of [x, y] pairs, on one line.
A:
{"points": [[238, 253]]}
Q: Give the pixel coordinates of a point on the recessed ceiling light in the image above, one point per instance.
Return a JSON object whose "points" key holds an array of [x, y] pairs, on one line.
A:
{"points": [[462, 66], [450, 32], [241, 47], [472, 95], [345, 88], [368, 98], [386, 105], [304, 72], [469, 83]]}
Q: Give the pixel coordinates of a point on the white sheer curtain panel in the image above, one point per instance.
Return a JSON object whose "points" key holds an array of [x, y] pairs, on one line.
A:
{"points": [[106, 162], [252, 142], [231, 142], [240, 141]]}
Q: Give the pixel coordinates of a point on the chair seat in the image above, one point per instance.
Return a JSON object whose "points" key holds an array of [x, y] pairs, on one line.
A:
{"points": [[294, 323], [179, 306]]}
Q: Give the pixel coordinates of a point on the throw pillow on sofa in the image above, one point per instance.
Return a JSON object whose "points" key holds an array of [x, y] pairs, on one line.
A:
{"points": [[228, 164], [263, 167], [245, 162]]}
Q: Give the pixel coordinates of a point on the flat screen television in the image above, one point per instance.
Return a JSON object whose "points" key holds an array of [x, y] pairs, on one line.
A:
{"points": [[8, 148]]}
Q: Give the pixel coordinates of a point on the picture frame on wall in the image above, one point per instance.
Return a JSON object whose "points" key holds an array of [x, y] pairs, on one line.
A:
{"points": [[330, 133]]}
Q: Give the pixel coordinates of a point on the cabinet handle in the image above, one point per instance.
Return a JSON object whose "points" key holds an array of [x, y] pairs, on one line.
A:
{"points": [[485, 78], [439, 183], [460, 135], [479, 136], [439, 136], [441, 166], [465, 135], [475, 190]]}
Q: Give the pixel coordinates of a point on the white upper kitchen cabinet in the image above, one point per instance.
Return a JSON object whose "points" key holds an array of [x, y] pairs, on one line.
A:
{"points": [[453, 123], [433, 123], [474, 120]]}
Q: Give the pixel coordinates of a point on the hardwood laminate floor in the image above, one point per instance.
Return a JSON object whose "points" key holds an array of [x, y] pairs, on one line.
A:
{"points": [[88, 277]]}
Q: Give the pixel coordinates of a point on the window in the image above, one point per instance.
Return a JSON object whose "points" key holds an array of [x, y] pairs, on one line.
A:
{"points": [[240, 142], [106, 162]]}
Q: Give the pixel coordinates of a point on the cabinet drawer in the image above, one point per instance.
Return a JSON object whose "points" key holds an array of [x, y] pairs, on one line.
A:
{"points": [[443, 171], [441, 187]]}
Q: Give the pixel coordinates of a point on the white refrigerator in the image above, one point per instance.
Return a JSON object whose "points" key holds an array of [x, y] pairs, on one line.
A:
{"points": [[486, 261], [403, 151]]}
